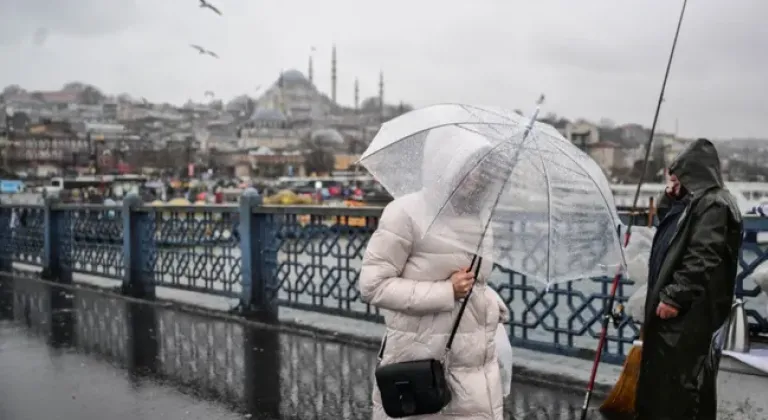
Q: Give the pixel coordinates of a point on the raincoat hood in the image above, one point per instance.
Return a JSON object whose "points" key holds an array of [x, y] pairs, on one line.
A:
{"points": [[698, 167]]}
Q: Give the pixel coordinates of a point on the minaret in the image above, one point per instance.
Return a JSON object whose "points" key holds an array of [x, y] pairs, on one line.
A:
{"points": [[279, 102], [333, 74], [311, 71], [357, 95], [381, 95]]}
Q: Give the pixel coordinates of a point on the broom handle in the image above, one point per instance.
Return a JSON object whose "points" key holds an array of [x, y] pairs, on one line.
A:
{"points": [[617, 277]]}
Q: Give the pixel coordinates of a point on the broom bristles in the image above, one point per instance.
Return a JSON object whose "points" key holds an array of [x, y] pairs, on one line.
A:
{"points": [[621, 400]]}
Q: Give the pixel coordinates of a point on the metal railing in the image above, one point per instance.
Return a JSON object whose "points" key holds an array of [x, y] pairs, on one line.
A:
{"points": [[307, 258]]}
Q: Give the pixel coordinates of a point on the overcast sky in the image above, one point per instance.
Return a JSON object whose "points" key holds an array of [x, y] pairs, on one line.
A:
{"points": [[592, 58]]}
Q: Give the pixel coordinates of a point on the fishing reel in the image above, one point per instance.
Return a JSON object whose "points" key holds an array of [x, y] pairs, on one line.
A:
{"points": [[616, 315]]}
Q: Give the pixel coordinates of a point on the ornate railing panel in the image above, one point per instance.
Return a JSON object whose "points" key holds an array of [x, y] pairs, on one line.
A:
{"points": [[196, 249], [22, 233], [93, 238], [320, 251], [754, 252]]}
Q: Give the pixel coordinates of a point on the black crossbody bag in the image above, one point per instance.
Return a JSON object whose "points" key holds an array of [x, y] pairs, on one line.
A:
{"points": [[418, 387]]}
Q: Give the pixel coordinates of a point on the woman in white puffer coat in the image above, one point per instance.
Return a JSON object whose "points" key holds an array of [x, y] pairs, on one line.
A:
{"points": [[419, 281]]}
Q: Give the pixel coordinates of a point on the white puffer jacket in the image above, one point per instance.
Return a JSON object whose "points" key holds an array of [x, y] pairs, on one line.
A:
{"points": [[408, 275]]}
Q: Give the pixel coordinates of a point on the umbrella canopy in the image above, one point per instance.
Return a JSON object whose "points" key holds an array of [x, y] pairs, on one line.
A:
{"points": [[498, 184]]}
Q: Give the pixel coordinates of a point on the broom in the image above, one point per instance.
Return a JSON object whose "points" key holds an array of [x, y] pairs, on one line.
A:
{"points": [[621, 399]]}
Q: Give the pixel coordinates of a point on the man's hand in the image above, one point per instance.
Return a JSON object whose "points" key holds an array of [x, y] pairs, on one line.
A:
{"points": [[665, 311], [672, 188]]}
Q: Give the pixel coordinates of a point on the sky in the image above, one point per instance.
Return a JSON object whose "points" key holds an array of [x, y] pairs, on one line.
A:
{"points": [[592, 59]]}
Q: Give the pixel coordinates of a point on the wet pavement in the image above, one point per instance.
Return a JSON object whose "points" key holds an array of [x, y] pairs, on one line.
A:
{"points": [[74, 354]]}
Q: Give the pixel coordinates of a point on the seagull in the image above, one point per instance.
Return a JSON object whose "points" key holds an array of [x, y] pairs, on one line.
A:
{"points": [[205, 5], [203, 51]]}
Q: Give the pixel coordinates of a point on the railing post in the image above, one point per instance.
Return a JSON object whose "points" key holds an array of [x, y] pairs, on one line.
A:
{"points": [[7, 227], [139, 249], [258, 296], [6, 262], [57, 244]]}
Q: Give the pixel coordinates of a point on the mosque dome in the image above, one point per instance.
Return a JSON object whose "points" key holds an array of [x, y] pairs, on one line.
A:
{"points": [[327, 137], [294, 76]]}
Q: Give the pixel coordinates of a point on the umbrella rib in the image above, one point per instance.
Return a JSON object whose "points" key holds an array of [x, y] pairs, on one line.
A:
{"points": [[490, 112], [600, 190], [474, 114], [463, 126], [549, 211], [434, 127]]}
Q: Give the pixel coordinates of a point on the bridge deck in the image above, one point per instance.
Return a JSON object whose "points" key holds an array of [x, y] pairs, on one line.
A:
{"points": [[103, 357]]}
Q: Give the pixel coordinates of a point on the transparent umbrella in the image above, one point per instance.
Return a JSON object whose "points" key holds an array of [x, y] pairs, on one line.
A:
{"points": [[503, 186]]}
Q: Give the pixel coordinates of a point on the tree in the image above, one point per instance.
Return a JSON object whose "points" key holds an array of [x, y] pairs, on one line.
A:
{"points": [[607, 123], [370, 104], [91, 96], [319, 161], [12, 90], [551, 116], [217, 104], [74, 86], [404, 108]]}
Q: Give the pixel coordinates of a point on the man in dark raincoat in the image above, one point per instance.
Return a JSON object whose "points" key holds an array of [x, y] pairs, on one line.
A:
{"points": [[691, 277]]}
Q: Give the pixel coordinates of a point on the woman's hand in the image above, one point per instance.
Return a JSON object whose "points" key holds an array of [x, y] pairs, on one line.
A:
{"points": [[462, 281]]}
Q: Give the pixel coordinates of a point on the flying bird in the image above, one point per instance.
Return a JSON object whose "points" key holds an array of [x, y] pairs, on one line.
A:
{"points": [[203, 51], [205, 5]]}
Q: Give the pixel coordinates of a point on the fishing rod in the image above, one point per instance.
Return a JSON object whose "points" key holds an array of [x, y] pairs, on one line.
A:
{"points": [[614, 285]]}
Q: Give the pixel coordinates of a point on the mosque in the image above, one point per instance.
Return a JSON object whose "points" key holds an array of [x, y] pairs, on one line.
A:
{"points": [[292, 118]]}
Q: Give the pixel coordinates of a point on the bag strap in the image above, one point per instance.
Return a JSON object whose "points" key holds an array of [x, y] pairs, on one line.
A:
{"points": [[455, 328]]}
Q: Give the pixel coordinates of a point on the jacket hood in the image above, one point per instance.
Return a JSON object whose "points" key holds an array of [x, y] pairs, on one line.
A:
{"points": [[698, 167], [449, 156]]}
